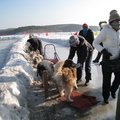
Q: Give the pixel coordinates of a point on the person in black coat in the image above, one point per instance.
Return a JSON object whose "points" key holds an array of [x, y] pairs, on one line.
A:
{"points": [[35, 44], [87, 33], [84, 50]]}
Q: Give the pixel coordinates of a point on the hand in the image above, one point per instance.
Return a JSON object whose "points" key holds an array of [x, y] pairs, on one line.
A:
{"points": [[106, 54], [78, 65]]}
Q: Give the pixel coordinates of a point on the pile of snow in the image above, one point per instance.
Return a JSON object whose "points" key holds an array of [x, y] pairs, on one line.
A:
{"points": [[15, 78], [17, 75]]}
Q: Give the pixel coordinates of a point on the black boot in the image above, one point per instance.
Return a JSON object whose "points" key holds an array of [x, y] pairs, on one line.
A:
{"points": [[106, 101], [87, 83], [95, 61], [113, 95]]}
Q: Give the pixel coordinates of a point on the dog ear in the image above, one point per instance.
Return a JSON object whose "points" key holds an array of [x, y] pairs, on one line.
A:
{"points": [[68, 63]]}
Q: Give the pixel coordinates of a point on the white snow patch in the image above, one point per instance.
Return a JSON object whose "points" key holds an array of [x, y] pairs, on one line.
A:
{"points": [[15, 78]]}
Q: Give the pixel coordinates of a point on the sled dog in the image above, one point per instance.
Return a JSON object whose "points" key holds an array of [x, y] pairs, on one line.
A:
{"points": [[65, 77], [45, 65]]}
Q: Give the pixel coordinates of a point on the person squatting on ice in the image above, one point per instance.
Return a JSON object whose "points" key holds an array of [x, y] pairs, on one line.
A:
{"points": [[84, 50], [110, 37], [35, 44]]}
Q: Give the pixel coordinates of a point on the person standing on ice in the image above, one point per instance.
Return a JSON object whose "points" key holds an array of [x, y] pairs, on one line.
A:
{"points": [[84, 50], [35, 44], [87, 33], [110, 37], [99, 53]]}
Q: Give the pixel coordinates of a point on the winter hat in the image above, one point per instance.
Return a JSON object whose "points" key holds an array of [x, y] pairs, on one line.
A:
{"points": [[74, 41], [85, 25], [114, 15]]}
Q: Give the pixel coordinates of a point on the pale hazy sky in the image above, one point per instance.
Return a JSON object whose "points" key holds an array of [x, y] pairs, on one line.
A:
{"points": [[18, 13]]}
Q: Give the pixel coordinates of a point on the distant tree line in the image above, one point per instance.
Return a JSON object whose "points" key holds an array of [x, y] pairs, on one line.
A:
{"points": [[48, 28]]}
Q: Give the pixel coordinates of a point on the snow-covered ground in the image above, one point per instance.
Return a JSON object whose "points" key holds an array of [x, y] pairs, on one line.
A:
{"points": [[16, 75]]}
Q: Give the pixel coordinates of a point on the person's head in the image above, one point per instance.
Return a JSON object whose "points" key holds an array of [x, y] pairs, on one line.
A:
{"points": [[30, 35], [74, 41], [85, 26], [114, 19]]}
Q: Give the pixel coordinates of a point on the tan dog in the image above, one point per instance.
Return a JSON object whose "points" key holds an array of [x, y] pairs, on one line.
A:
{"points": [[65, 77]]}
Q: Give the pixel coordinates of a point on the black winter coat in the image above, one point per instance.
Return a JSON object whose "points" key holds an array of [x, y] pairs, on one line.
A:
{"points": [[89, 36], [82, 50], [35, 44]]}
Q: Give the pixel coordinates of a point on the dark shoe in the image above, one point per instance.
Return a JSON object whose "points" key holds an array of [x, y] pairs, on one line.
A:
{"points": [[113, 95], [95, 61], [106, 101]]}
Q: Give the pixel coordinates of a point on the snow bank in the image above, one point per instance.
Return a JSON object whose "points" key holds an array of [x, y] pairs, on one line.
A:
{"points": [[15, 78]]}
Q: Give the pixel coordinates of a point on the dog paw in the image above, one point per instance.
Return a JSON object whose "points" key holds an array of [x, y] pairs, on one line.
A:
{"points": [[76, 87]]}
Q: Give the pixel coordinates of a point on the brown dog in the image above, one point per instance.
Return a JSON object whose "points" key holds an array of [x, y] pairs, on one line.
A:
{"points": [[65, 78]]}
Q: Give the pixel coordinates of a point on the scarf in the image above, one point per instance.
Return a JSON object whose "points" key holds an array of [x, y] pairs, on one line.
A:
{"points": [[85, 30], [115, 26]]}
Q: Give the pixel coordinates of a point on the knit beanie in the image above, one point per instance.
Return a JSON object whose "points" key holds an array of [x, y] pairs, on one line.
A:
{"points": [[85, 25], [114, 15], [74, 41]]}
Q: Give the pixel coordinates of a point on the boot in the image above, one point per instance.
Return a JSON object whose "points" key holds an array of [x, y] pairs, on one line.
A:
{"points": [[87, 83]]}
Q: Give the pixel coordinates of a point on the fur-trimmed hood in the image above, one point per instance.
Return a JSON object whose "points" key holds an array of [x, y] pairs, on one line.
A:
{"points": [[104, 25]]}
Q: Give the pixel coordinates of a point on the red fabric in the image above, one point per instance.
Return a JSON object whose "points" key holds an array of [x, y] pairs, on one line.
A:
{"points": [[38, 52], [54, 61], [81, 101], [75, 33]]}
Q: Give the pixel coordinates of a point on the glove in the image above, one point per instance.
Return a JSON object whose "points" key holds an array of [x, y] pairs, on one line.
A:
{"points": [[106, 54], [78, 65]]}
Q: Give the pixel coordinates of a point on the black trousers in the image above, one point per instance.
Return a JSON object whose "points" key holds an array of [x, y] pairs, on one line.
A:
{"points": [[107, 86], [87, 68], [98, 57]]}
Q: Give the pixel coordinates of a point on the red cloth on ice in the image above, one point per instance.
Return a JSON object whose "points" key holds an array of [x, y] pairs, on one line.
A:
{"points": [[81, 101]]}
